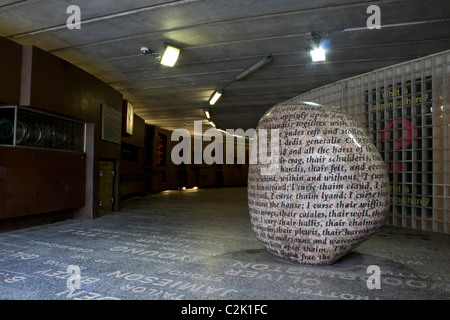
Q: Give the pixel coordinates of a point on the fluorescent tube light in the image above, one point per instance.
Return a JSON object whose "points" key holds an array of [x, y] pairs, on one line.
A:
{"points": [[215, 97], [207, 114], [212, 124], [170, 56]]}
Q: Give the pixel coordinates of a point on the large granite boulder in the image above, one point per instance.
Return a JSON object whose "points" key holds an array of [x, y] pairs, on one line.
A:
{"points": [[327, 189]]}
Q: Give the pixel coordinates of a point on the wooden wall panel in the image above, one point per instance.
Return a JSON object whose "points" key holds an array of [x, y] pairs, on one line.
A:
{"points": [[10, 71], [56, 86], [132, 170], [36, 181]]}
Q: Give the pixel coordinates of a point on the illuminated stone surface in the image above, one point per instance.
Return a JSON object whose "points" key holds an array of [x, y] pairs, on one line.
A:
{"points": [[330, 190]]}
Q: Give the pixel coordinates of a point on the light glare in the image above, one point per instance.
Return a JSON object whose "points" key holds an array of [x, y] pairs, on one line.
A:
{"points": [[318, 54], [170, 56]]}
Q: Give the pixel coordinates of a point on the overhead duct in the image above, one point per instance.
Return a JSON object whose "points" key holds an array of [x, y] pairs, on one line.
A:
{"points": [[266, 60]]}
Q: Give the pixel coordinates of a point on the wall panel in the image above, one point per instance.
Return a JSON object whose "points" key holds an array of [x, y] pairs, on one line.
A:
{"points": [[10, 74], [406, 111], [37, 181]]}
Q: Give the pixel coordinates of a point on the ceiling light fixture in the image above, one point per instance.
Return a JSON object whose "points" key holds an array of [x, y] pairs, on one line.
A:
{"points": [[260, 64], [318, 49], [215, 97], [168, 58], [318, 54], [207, 114]]}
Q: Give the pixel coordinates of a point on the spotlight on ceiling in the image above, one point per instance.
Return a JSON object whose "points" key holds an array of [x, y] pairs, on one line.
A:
{"points": [[168, 58], [318, 54], [318, 49], [260, 64], [215, 97]]}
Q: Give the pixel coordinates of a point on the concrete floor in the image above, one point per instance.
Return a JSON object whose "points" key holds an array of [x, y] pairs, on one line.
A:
{"points": [[199, 245]]}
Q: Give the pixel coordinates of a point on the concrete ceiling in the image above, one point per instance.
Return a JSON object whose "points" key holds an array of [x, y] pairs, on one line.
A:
{"points": [[219, 40]]}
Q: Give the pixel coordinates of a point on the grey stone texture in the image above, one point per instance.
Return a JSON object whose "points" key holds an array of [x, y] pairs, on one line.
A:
{"points": [[322, 190]]}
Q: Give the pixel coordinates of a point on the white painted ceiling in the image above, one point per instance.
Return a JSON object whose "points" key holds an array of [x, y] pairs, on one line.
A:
{"points": [[220, 39]]}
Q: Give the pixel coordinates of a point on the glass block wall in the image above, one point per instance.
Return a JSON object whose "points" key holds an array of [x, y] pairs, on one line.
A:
{"points": [[406, 111]]}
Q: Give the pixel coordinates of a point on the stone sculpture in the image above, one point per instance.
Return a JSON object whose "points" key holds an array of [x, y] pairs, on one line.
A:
{"points": [[329, 191]]}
